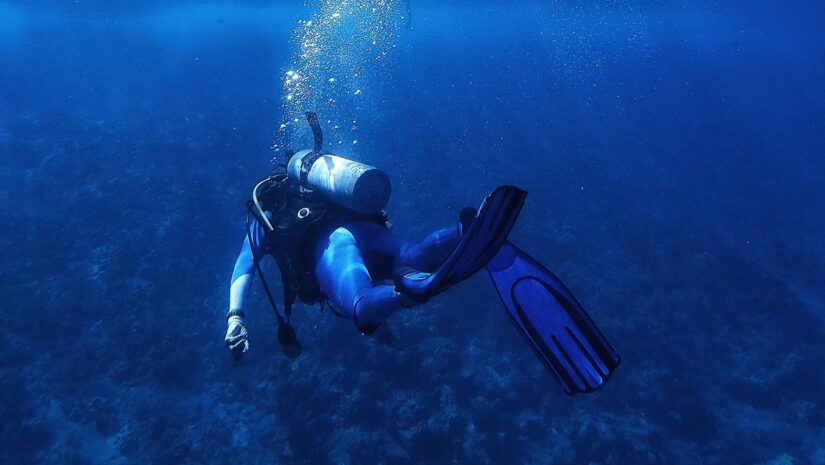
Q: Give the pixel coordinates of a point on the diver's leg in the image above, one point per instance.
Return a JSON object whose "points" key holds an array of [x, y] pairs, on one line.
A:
{"points": [[426, 255], [347, 284], [483, 234]]}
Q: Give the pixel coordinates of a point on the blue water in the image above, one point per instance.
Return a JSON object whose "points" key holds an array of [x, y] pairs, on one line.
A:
{"points": [[673, 154]]}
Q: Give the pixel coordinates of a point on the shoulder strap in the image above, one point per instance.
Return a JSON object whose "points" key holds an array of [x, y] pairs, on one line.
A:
{"points": [[256, 261], [286, 335], [278, 251]]}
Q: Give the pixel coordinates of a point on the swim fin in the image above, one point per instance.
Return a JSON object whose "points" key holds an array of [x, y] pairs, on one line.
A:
{"points": [[554, 323], [481, 240]]}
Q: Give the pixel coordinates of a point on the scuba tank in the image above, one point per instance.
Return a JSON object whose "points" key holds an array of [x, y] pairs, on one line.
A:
{"points": [[356, 186]]}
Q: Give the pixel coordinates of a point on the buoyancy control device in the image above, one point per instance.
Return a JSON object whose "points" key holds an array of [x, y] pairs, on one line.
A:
{"points": [[312, 176]]}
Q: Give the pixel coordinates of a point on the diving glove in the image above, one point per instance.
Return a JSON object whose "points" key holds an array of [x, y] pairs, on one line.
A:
{"points": [[236, 338]]}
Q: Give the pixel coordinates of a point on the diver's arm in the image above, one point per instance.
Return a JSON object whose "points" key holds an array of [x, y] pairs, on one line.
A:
{"points": [[245, 264], [236, 335], [241, 277]]}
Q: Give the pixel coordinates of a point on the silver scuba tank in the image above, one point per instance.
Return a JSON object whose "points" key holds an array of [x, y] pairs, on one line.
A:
{"points": [[359, 187]]}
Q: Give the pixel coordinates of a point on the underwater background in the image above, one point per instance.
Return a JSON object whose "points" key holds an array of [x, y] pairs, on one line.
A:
{"points": [[674, 154]]}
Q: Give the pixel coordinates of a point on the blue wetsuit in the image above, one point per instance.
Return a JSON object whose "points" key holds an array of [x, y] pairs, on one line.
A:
{"points": [[353, 262]]}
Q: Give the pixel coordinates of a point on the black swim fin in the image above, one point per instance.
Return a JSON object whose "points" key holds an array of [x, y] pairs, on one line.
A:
{"points": [[551, 319], [484, 236]]}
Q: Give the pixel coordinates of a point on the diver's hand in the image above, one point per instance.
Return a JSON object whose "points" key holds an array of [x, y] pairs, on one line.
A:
{"points": [[236, 337]]}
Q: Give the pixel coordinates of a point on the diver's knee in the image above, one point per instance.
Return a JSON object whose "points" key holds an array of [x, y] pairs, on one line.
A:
{"points": [[360, 316], [364, 327], [341, 235]]}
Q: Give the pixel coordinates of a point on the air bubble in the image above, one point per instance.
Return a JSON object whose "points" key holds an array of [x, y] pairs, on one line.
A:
{"points": [[334, 60]]}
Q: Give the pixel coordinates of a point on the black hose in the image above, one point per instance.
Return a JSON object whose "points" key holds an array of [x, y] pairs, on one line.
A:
{"points": [[286, 334], [261, 274], [317, 134]]}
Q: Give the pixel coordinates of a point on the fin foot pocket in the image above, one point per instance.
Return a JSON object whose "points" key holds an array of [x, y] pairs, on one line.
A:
{"points": [[485, 233]]}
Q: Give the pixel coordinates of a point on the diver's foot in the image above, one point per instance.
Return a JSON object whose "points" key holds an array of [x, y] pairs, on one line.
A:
{"points": [[483, 234], [405, 300], [406, 274], [466, 218]]}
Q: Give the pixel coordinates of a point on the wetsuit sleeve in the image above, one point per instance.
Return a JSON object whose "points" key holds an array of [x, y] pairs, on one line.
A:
{"points": [[245, 265]]}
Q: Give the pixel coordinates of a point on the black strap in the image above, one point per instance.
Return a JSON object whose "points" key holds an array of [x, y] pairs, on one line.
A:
{"points": [[310, 158], [317, 134], [286, 334], [265, 285], [279, 252], [307, 162]]}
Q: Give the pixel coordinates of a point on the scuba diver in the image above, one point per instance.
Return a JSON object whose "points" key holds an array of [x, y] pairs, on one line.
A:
{"points": [[323, 222]]}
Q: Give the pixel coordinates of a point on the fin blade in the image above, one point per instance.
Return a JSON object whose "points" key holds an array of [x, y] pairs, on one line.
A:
{"points": [[553, 322]]}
